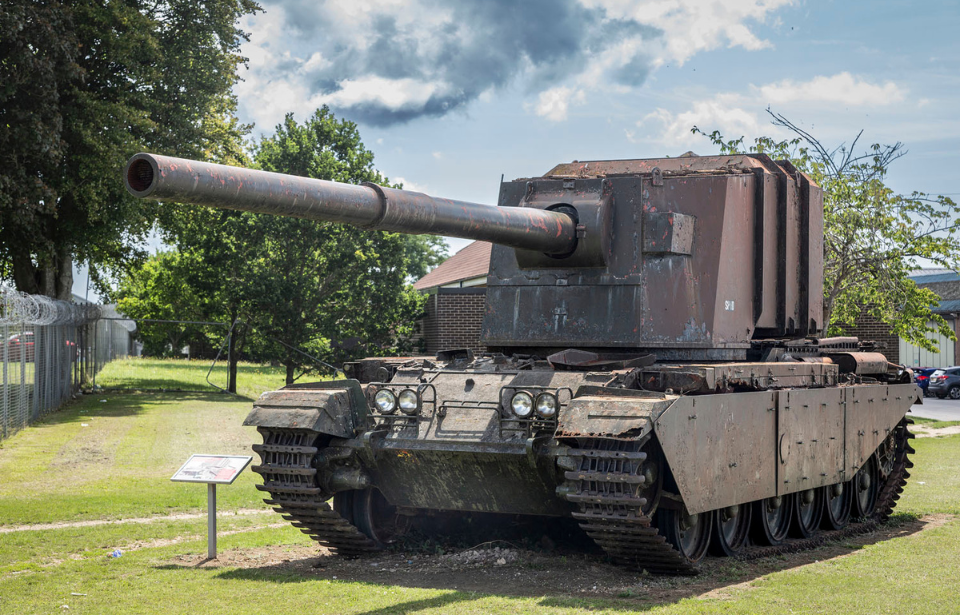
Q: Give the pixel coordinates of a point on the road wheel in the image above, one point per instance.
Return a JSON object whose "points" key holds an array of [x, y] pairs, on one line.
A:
{"points": [[731, 526], [688, 534], [771, 519], [370, 512], [866, 487], [955, 392], [836, 510], [807, 512]]}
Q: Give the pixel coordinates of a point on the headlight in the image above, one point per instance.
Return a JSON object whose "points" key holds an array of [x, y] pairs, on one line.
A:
{"points": [[547, 405], [409, 402], [386, 401], [522, 404]]}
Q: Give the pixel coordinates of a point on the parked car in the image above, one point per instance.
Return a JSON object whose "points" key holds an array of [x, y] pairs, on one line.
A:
{"points": [[944, 382], [20, 346], [922, 377]]}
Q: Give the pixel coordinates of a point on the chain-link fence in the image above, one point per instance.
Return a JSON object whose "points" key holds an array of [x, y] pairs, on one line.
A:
{"points": [[43, 353]]}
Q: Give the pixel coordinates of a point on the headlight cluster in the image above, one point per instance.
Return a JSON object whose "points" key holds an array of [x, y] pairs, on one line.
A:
{"points": [[408, 402], [524, 404]]}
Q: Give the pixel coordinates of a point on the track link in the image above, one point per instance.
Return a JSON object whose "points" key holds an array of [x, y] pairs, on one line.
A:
{"points": [[612, 514], [289, 476], [608, 488]]}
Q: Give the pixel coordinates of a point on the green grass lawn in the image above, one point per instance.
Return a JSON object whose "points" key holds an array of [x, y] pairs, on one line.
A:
{"points": [[137, 373], [118, 466]]}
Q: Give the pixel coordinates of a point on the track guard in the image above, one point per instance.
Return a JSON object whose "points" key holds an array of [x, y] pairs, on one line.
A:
{"points": [[336, 408]]}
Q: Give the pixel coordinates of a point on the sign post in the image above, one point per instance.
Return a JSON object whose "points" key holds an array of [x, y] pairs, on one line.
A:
{"points": [[213, 470]]}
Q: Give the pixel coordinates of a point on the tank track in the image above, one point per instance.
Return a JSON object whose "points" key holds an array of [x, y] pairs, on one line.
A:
{"points": [[612, 514], [289, 476], [605, 488]]}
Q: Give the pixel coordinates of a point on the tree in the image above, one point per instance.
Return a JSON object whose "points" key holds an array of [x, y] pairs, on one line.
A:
{"points": [[83, 86], [873, 237], [324, 289], [159, 290]]}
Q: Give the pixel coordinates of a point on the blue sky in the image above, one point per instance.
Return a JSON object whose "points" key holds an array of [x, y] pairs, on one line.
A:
{"points": [[450, 95]]}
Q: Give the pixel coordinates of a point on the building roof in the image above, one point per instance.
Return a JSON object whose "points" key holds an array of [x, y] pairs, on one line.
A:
{"points": [[932, 278], [470, 262], [948, 306]]}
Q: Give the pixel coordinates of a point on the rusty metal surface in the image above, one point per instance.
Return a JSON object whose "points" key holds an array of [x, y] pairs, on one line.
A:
{"points": [[329, 411], [721, 448], [860, 362], [872, 413], [666, 166], [621, 417], [810, 439], [668, 233], [187, 181], [469, 481], [690, 378], [700, 285]]}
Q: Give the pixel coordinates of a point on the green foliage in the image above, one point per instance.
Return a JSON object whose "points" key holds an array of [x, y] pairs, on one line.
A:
{"points": [[873, 237], [159, 291], [84, 85]]}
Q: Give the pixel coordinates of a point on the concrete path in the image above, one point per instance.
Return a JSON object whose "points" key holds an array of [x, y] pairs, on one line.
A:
{"points": [[939, 409]]}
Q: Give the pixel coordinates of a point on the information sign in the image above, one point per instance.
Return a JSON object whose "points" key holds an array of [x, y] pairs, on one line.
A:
{"points": [[218, 469], [213, 470]]}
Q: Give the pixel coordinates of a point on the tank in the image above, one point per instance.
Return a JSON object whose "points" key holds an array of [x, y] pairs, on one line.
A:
{"points": [[656, 368]]}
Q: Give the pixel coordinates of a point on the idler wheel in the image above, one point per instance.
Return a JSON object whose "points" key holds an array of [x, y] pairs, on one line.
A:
{"points": [[807, 512], [866, 487], [688, 534], [372, 514], [771, 519], [731, 527]]}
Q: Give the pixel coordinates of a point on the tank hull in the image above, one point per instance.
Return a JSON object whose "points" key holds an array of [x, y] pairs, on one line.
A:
{"points": [[615, 457]]}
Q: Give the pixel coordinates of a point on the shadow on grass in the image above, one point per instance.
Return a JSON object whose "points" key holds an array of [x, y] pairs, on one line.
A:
{"points": [[145, 374], [125, 404], [558, 581]]}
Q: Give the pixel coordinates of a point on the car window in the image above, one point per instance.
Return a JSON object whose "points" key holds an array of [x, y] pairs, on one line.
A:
{"points": [[939, 372], [954, 372]]}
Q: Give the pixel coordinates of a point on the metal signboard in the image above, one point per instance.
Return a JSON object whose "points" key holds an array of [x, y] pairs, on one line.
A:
{"points": [[211, 469]]}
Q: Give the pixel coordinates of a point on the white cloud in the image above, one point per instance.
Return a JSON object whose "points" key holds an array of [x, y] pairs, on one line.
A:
{"points": [[693, 26], [391, 94], [408, 185], [842, 88], [389, 61], [554, 103], [721, 113], [736, 115]]}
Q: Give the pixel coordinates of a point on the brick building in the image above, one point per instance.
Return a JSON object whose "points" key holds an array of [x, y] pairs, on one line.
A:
{"points": [[457, 298], [945, 283]]}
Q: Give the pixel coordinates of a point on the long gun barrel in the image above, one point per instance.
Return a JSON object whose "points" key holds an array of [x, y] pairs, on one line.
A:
{"points": [[368, 205]]}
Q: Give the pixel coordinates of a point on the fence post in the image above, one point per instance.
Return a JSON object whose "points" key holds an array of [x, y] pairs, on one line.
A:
{"points": [[6, 382]]}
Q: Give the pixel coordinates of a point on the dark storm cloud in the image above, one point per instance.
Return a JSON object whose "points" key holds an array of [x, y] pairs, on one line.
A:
{"points": [[485, 44]]}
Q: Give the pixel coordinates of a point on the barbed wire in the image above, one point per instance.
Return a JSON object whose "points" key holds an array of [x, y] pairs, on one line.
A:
{"points": [[20, 308]]}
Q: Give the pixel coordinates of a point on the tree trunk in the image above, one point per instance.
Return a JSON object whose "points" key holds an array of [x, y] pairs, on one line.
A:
{"points": [[63, 285], [233, 354], [53, 277], [290, 369], [25, 274]]}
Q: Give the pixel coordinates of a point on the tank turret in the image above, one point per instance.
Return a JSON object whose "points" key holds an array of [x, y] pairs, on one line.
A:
{"points": [[686, 258]]}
